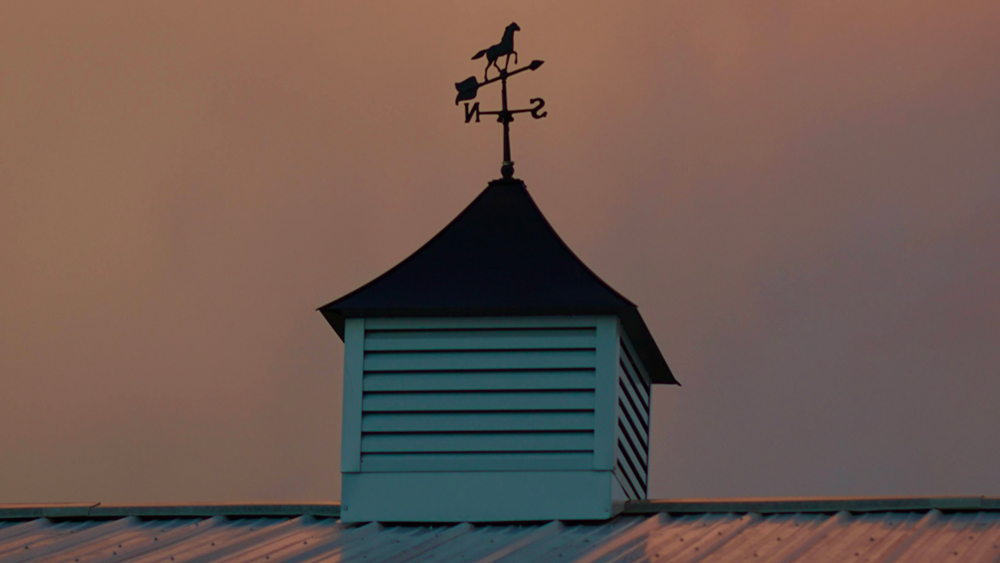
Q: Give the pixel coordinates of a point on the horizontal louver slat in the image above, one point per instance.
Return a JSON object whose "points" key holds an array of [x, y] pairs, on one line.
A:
{"points": [[477, 401], [507, 461], [474, 394], [478, 442], [479, 422], [580, 338], [479, 380], [475, 360], [476, 323]]}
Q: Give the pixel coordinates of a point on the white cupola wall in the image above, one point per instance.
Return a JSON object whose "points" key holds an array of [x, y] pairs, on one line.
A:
{"points": [[491, 376]]}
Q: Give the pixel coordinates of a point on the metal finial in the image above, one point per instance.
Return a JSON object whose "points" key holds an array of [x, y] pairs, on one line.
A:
{"points": [[468, 88]]}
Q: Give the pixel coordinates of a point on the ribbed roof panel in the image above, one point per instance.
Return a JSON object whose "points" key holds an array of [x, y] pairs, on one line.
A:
{"points": [[707, 537]]}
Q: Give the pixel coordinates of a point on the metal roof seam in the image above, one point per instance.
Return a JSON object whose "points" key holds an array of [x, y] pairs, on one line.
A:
{"points": [[914, 537], [24, 528], [449, 534], [168, 538], [670, 534], [815, 537], [537, 535], [265, 534], [632, 534], [727, 539], [69, 542], [320, 548]]}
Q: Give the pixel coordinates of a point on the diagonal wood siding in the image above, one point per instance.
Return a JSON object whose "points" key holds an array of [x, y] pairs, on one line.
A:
{"points": [[632, 445]]}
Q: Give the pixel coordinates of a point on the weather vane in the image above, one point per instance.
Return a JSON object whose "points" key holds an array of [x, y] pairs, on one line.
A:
{"points": [[468, 88]]}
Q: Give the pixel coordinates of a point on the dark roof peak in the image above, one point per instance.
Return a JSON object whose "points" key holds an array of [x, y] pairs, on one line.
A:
{"points": [[498, 257]]}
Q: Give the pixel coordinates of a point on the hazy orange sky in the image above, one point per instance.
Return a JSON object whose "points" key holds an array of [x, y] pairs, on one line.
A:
{"points": [[802, 197]]}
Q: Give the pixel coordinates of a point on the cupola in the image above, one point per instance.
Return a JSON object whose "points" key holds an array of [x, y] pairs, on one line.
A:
{"points": [[491, 376]]}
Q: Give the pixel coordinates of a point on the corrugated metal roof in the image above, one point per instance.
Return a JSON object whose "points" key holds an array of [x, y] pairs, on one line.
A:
{"points": [[926, 535]]}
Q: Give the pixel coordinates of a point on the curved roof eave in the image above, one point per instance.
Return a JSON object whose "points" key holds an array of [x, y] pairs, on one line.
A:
{"points": [[499, 257]]}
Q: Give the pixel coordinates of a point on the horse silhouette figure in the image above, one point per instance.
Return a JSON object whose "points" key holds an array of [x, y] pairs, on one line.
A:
{"points": [[504, 47]]}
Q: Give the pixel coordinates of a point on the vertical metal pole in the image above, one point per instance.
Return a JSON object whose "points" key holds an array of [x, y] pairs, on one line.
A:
{"points": [[507, 170]]}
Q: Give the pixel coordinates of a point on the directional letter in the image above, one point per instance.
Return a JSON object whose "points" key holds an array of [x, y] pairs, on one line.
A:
{"points": [[534, 111], [474, 110]]}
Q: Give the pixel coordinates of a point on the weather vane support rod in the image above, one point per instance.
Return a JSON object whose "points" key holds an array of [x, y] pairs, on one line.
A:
{"points": [[468, 88], [506, 117]]}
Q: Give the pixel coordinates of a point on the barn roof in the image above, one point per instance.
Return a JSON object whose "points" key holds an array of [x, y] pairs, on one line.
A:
{"points": [[959, 529], [499, 257]]}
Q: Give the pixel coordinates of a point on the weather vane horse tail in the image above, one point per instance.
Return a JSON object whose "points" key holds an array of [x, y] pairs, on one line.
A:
{"points": [[468, 88], [504, 47]]}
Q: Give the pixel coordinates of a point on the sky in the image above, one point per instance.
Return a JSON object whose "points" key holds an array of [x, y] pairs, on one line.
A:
{"points": [[803, 198]]}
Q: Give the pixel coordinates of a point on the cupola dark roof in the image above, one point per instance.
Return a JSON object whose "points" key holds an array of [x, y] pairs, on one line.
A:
{"points": [[499, 257]]}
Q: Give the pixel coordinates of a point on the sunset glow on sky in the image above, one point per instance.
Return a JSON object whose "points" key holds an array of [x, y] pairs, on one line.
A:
{"points": [[803, 198]]}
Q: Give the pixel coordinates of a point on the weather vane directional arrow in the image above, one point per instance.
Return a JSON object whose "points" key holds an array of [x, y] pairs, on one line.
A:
{"points": [[468, 88]]}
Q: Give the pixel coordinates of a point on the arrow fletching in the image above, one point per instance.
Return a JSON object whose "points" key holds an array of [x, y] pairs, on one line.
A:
{"points": [[467, 89]]}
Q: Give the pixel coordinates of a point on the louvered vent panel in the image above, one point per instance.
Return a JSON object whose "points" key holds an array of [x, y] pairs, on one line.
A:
{"points": [[631, 459], [478, 398]]}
